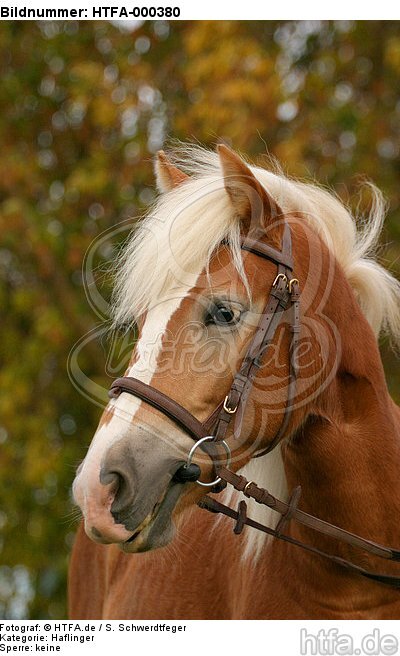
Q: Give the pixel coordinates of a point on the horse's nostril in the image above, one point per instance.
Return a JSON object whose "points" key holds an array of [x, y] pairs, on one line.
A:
{"points": [[187, 473], [96, 533], [114, 479], [118, 486]]}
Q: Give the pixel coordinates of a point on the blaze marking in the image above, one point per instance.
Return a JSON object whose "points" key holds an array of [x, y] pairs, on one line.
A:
{"points": [[121, 411]]}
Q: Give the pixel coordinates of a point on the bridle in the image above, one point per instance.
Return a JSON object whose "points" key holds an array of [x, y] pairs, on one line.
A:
{"points": [[284, 298], [284, 293]]}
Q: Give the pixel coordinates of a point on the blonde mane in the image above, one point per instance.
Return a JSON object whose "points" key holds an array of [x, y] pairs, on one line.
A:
{"points": [[182, 230], [177, 238]]}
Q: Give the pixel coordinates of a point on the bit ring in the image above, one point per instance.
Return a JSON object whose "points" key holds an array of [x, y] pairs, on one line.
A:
{"points": [[197, 444]]}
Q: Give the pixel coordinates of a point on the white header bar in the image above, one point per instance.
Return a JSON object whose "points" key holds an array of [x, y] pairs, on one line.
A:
{"points": [[133, 10]]}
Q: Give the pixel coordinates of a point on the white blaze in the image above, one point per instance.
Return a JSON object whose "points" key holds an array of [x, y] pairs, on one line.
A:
{"points": [[126, 406]]}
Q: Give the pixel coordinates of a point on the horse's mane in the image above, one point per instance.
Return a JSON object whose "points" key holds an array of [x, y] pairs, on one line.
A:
{"points": [[178, 236]]}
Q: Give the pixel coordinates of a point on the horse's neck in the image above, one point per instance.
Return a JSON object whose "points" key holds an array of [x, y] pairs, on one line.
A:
{"points": [[346, 456]]}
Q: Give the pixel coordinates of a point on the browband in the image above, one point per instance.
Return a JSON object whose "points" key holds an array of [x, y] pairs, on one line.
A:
{"points": [[267, 252]]}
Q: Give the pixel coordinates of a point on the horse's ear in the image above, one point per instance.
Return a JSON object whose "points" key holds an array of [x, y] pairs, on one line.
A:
{"points": [[253, 205], [168, 176]]}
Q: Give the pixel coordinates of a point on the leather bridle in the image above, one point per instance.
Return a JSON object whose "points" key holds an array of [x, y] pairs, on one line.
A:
{"points": [[284, 297]]}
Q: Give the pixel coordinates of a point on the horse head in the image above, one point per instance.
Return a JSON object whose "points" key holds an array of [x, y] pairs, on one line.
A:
{"points": [[198, 297]]}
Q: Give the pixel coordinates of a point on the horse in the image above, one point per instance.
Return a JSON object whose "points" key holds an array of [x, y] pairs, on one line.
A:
{"points": [[195, 280]]}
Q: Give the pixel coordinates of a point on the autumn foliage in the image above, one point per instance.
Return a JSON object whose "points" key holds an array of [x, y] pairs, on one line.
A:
{"points": [[84, 108]]}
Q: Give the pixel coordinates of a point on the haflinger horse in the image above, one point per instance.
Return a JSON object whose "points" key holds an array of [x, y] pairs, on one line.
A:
{"points": [[258, 304]]}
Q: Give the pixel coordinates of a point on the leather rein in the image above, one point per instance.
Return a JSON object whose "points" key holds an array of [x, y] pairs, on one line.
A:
{"points": [[210, 434]]}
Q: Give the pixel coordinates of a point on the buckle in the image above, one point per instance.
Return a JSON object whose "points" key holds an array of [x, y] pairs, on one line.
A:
{"points": [[280, 276], [230, 411]]}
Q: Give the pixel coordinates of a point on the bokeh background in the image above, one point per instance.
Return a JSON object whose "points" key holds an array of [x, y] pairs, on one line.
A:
{"points": [[84, 107]]}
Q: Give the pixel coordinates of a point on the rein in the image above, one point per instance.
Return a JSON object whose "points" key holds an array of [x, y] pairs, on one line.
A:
{"points": [[208, 435], [289, 511]]}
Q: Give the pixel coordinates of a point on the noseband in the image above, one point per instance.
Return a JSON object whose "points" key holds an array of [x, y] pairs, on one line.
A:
{"points": [[284, 295]]}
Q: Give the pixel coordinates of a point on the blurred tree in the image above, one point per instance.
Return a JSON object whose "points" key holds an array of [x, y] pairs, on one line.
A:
{"points": [[84, 108]]}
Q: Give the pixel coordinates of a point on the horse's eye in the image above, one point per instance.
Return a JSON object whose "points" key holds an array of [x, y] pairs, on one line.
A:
{"points": [[222, 315]]}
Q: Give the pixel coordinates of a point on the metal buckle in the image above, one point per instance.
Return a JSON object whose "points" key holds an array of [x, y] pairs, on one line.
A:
{"points": [[230, 411], [291, 283], [246, 486], [197, 444], [280, 276]]}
